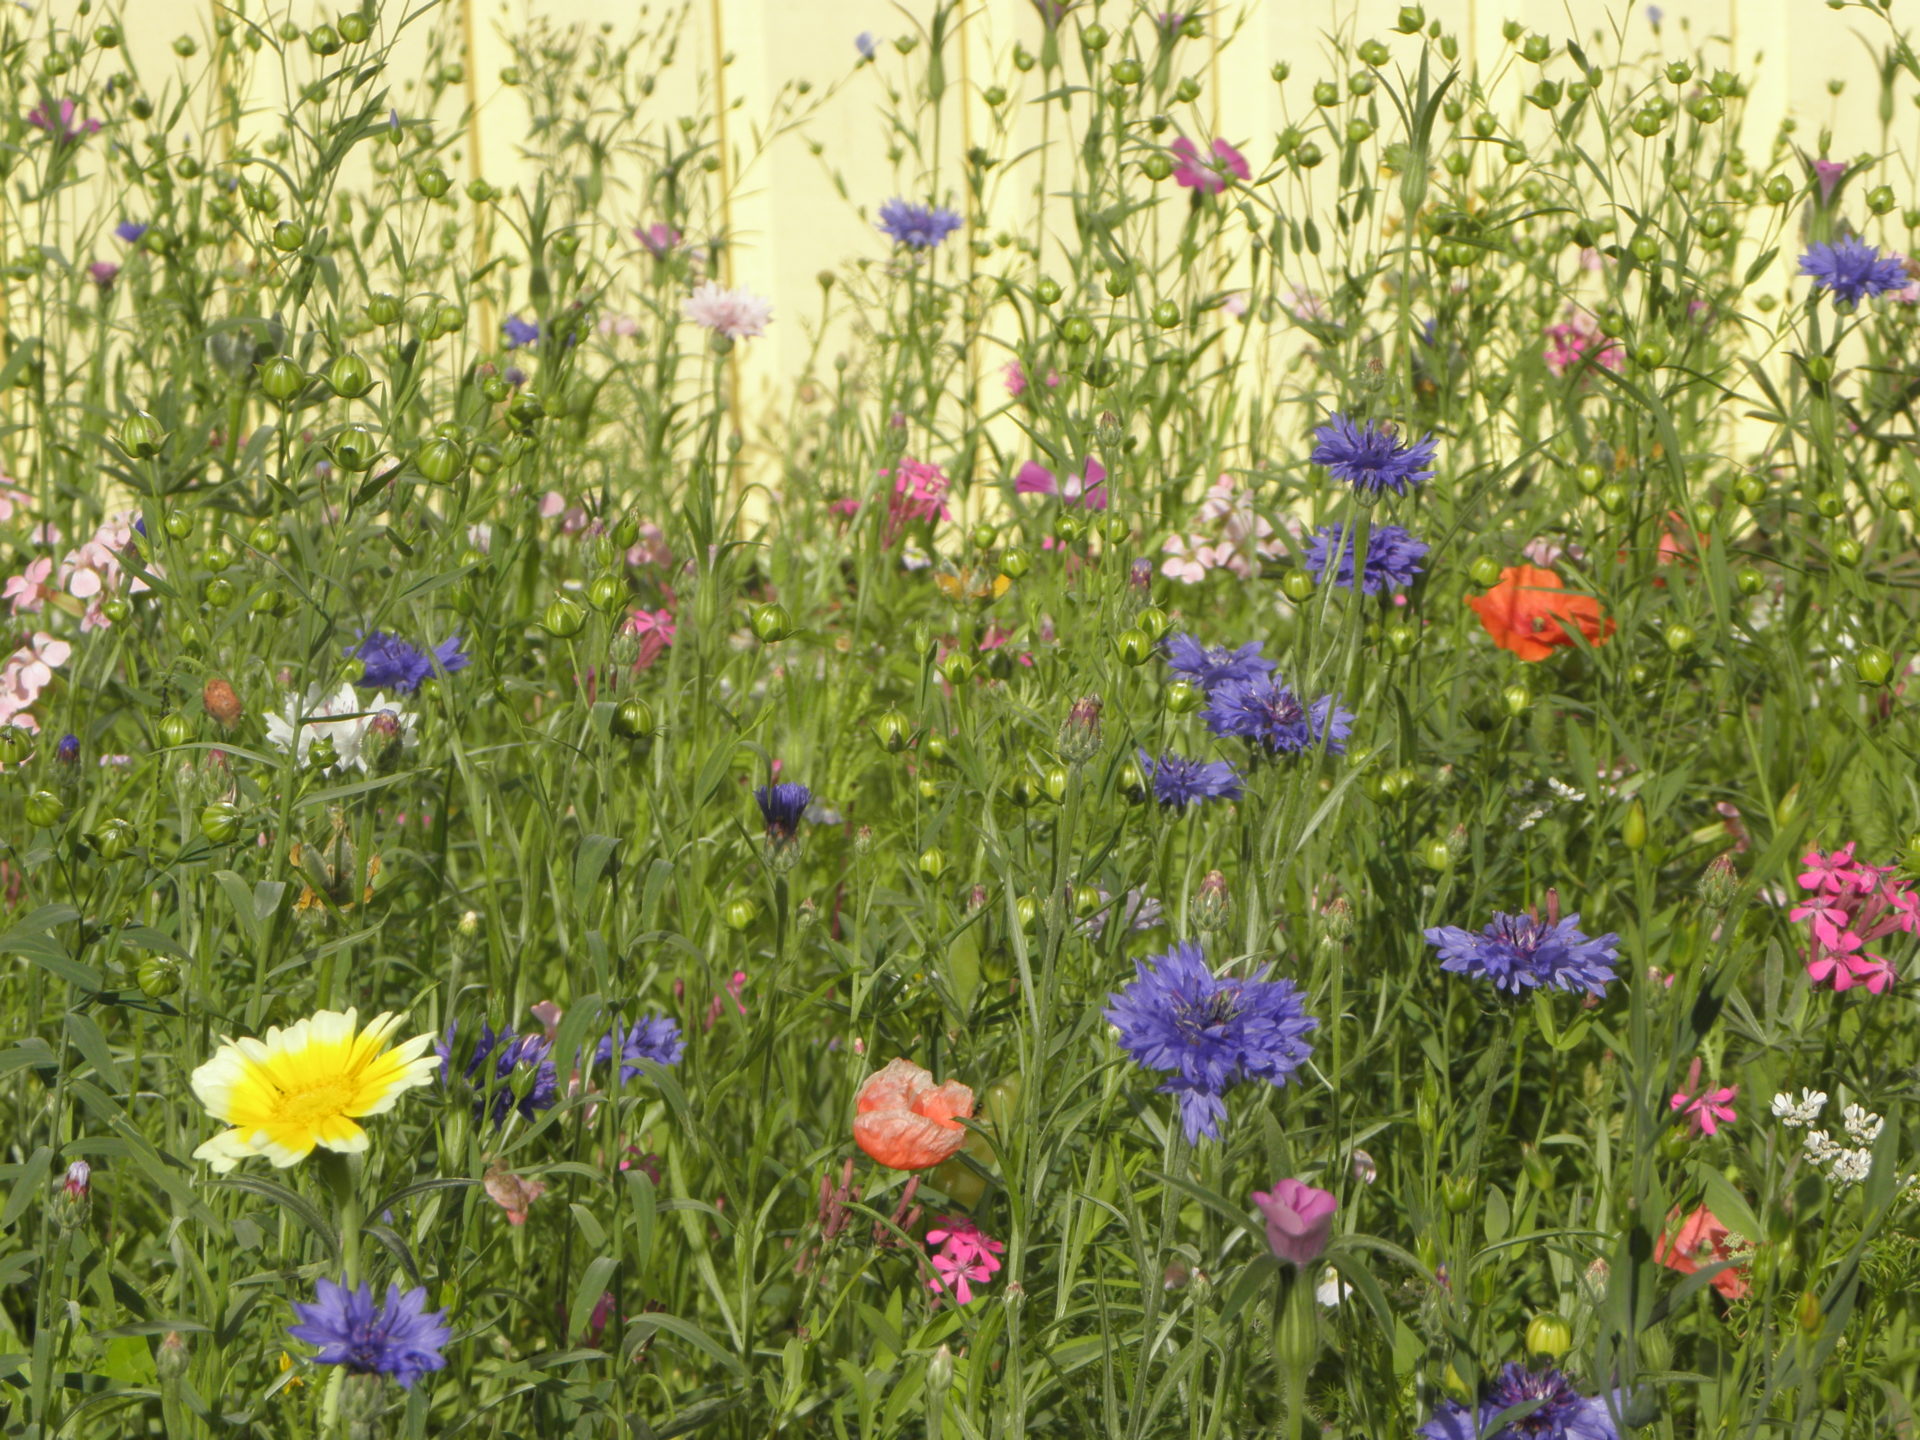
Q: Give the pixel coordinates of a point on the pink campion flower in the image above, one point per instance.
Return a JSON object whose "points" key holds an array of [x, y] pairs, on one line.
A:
{"points": [[1210, 175], [1578, 340], [60, 123], [656, 630], [1017, 382], [29, 589], [966, 1257], [736, 314], [919, 494], [845, 506], [1851, 905], [1089, 488], [1835, 874], [659, 238], [1707, 1109]]}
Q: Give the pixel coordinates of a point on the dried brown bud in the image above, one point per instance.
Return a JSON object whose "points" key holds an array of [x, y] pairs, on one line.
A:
{"points": [[221, 702]]}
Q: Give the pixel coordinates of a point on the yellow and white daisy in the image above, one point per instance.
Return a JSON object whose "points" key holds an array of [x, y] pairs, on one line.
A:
{"points": [[305, 1086]]}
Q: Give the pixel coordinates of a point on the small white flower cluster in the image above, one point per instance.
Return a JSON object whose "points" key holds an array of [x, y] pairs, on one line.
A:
{"points": [[1845, 1165], [1534, 814]]}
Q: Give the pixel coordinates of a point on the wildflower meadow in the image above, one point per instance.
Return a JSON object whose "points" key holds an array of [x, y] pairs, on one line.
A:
{"points": [[1254, 782]]}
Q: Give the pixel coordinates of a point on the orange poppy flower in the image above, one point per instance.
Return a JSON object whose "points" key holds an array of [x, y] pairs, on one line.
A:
{"points": [[907, 1122], [1529, 611], [1702, 1240]]}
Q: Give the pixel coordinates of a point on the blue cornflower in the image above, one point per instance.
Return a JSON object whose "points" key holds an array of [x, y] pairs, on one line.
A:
{"points": [[1209, 1031], [68, 750], [1519, 953], [401, 1338], [1547, 1407], [520, 332], [1211, 665], [1179, 782], [390, 663], [865, 44], [514, 376], [918, 227], [1393, 557], [1266, 712], [782, 807], [1851, 269], [653, 1037], [523, 1075], [1371, 458], [130, 231]]}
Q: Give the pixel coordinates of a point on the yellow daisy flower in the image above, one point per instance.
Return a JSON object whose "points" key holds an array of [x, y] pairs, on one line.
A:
{"points": [[305, 1086]]}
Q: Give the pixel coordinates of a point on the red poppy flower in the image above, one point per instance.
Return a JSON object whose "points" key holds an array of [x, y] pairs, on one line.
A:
{"points": [[907, 1122], [1702, 1240], [1529, 613]]}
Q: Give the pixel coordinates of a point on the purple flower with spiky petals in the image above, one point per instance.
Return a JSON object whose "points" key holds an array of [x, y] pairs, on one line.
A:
{"points": [[918, 227], [523, 1077], [1851, 270], [1267, 713], [401, 1338], [1538, 1404], [390, 663], [520, 332], [130, 231], [1523, 952], [783, 807], [1211, 665], [1371, 458], [1393, 557], [1179, 782], [653, 1037], [1209, 1032]]}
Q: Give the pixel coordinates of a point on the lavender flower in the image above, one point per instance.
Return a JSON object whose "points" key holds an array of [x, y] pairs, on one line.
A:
{"points": [[653, 1037], [390, 662], [918, 227], [1179, 782], [1393, 557], [523, 1077], [520, 332], [401, 1338], [1520, 952], [1852, 269], [1211, 665], [865, 44], [783, 807], [1267, 713], [1209, 1032], [1371, 458], [130, 231], [1545, 1403]]}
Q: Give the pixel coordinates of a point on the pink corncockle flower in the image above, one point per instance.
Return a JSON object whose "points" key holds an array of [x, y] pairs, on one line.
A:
{"points": [[1828, 174], [1578, 340], [919, 494], [1299, 1220], [1089, 488], [29, 589], [512, 1194], [1017, 379], [1707, 1109], [718, 1006], [659, 238], [103, 273], [1835, 874], [1209, 175], [1851, 905], [656, 630], [59, 122], [1307, 306], [967, 1257], [736, 314], [845, 506]]}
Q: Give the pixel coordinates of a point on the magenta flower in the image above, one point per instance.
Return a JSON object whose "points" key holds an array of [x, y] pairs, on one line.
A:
{"points": [[919, 494], [1578, 340], [1707, 1109], [59, 122], [966, 1257], [660, 239], [103, 273], [1852, 904], [1299, 1220], [1829, 174], [1210, 175], [1089, 488]]}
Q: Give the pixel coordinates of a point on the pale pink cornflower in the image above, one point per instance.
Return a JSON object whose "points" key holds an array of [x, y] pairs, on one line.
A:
{"points": [[736, 314], [1707, 1109], [967, 1256]]}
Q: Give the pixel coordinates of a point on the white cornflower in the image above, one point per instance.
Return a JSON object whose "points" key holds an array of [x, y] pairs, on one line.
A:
{"points": [[1803, 1112], [312, 717], [1862, 1124]]}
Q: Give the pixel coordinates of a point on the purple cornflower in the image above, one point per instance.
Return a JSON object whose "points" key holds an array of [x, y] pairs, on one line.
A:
{"points": [[1179, 782], [390, 663], [401, 1338], [523, 1077], [865, 44], [68, 750], [520, 332], [1393, 557], [1266, 712], [1852, 269], [1539, 1405], [104, 273], [918, 227], [1210, 1032], [1211, 665], [653, 1037], [782, 807], [130, 231], [1371, 458], [1521, 952]]}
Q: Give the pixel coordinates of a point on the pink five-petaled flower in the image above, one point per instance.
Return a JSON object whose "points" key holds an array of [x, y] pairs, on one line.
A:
{"points": [[1089, 488], [655, 629], [965, 1257], [1707, 1109], [1851, 904], [1210, 175], [29, 589], [59, 122], [1299, 1220]]}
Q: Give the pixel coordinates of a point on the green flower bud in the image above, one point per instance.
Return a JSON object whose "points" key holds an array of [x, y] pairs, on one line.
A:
{"points": [[1184, 697], [1297, 586], [1484, 571], [43, 807], [174, 729], [894, 732], [113, 839], [563, 618], [1633, 829], [440, 459], [281, 378], [1516, 698], [1614, 497], [1157, 166], [1435, 853], [383, 309], [141, 436], [1166, 314], [1549, 1335], [740, 914], [1749, 580], [632, 720], [219, 592], [1899, 494], [957, 669], [1846, 552], [158, 976], [220, 822], [933, 863], [433, 182], [289, 235], [1134, 647], [606, 593], [354, 28], [1133, 783], [1025, 791], [348, 377], [1015, 563], [1047, 292], [771, 623], [323, 40], [1459, 1192], [354, 448], [1873, 665]]}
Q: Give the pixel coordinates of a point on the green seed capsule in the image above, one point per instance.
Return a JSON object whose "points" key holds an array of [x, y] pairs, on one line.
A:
{"points": [[632, 720], [220, 822], [348, 377], [281, 378], [1134, 647], [43, 808], [1549, 1335], [158, 976], [563, 619], [1873, 665]]}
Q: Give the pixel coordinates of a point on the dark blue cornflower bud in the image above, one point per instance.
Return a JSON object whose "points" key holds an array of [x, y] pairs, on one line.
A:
{"points": [[782, 807], [68, 750]]}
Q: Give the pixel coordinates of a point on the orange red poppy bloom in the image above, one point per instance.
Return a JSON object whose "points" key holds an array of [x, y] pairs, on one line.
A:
{"points": [[1531, 613], [907, 1122], [1702, 1240]]}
